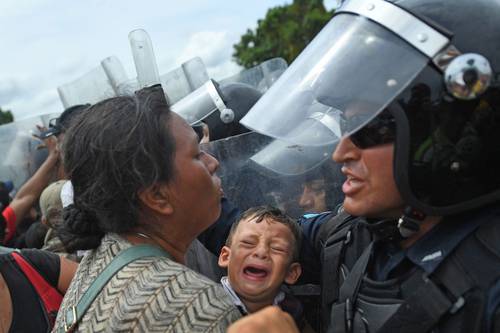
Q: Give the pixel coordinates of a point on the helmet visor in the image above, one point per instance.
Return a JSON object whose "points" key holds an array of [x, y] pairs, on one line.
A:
{"points": [[256, 170], [346, 76], [283, 158]]}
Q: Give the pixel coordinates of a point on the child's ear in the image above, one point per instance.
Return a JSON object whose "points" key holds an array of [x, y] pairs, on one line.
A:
{"points": [[156, 197], [224, 255], [294, 272]]}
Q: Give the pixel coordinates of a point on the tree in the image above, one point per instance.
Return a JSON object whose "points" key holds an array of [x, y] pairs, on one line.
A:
{"points": [[284, 32], [5, 116]]}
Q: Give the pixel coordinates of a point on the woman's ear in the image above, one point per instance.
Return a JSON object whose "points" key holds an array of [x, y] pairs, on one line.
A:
{"points": [[156, 197], [294, 272], [224, 255]]}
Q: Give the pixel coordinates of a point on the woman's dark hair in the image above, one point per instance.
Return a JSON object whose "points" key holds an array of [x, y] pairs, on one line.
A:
{"points": [[113, 150]]}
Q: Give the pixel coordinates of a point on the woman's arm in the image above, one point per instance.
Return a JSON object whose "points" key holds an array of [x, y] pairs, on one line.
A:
{"points": [[66, 273]]}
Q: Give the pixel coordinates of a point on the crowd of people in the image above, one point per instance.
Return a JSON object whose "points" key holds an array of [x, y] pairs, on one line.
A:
{"points": [[126, 226]]}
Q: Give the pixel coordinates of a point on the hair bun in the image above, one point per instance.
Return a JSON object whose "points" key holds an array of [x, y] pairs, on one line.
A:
{"points": [[80, 229]]}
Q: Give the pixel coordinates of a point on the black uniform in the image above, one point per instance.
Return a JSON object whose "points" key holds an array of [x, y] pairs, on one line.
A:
{"points": [[448, 281]]}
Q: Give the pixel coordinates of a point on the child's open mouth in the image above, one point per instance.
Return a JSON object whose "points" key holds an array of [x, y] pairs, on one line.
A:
{"points": [[255, 272]]}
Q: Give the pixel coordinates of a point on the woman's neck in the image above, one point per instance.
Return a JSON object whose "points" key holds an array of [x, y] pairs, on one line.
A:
{"points": [[177, 249]]}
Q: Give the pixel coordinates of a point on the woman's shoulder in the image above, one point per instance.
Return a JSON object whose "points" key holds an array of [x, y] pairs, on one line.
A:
{"points": [[187, 300], [164, 278], [157, 293]]}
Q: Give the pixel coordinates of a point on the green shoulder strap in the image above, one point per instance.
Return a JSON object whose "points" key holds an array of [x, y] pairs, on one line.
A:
{"points": [[75, 313]]}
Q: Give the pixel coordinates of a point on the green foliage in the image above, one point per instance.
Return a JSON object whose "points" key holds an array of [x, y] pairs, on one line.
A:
{"points": [[284, 32], [6, 116]]}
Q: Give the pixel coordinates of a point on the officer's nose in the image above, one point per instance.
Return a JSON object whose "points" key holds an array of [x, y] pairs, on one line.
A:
{"points": [[345, 151], [305, 200]]}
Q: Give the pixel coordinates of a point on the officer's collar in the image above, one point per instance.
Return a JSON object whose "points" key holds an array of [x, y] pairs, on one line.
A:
{"points": [[429, 251]]}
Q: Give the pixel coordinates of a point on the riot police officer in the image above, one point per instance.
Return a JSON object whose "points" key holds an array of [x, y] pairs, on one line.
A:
{"points": [[407, 94]]}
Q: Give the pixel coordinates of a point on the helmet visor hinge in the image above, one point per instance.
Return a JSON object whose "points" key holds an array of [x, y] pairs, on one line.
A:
{"points": [[466, 76]]}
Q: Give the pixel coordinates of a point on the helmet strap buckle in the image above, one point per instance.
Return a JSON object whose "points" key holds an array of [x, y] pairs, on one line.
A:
{"points": [[409, 223]]}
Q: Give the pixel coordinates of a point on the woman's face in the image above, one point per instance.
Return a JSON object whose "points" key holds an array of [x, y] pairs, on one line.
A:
{"points": [[195, 188]]}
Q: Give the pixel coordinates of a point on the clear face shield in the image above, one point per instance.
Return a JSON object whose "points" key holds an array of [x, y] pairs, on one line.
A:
{"points": [[254, 170], [346, 76], [288, 159], [375, 68]]}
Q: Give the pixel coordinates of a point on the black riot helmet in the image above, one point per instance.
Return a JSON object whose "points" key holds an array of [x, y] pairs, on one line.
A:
{"points": [[431, 68], [221, 107], [239, 98]]}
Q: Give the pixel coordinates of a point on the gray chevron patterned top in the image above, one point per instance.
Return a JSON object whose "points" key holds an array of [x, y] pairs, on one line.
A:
{"points": [[147, 295]]}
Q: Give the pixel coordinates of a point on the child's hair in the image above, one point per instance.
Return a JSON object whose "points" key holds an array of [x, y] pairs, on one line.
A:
{"points": [[260, 213]]}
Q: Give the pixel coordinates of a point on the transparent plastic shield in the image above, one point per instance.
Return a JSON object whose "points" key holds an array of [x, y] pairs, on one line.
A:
{"points": [[90, 88], [21, 158], [262, 76], [281, 157], [247, 183], [110, 80], [200, 103], [116, 75], [181, 81], [347, 75], [144, 58]]}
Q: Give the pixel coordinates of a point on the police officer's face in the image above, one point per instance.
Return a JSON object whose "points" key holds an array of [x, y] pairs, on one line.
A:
{"points": [[313, 197], [370, 189]]}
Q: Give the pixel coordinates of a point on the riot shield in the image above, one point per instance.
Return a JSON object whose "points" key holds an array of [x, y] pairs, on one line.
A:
{"points": [[144, 58], [248, 182], [20, 149], [185, 79], [110, 80], [262, 76], [117, 76], [92, 87]]}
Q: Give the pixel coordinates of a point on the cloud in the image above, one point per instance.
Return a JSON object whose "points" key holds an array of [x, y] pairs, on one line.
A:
{"points": [[27, 96], [43, 102], [213, 47], [10, 8], [9, 90], [223, 70]]}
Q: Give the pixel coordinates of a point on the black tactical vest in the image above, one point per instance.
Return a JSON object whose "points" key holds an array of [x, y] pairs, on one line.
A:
{"points": [[452, 299]]}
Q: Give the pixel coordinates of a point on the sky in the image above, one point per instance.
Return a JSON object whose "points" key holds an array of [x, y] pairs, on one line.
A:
{"points": [[48, 43]]}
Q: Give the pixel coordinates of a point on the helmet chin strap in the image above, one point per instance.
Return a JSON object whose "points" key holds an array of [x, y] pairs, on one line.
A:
{"points": [[409, 223], [397, 229]]}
